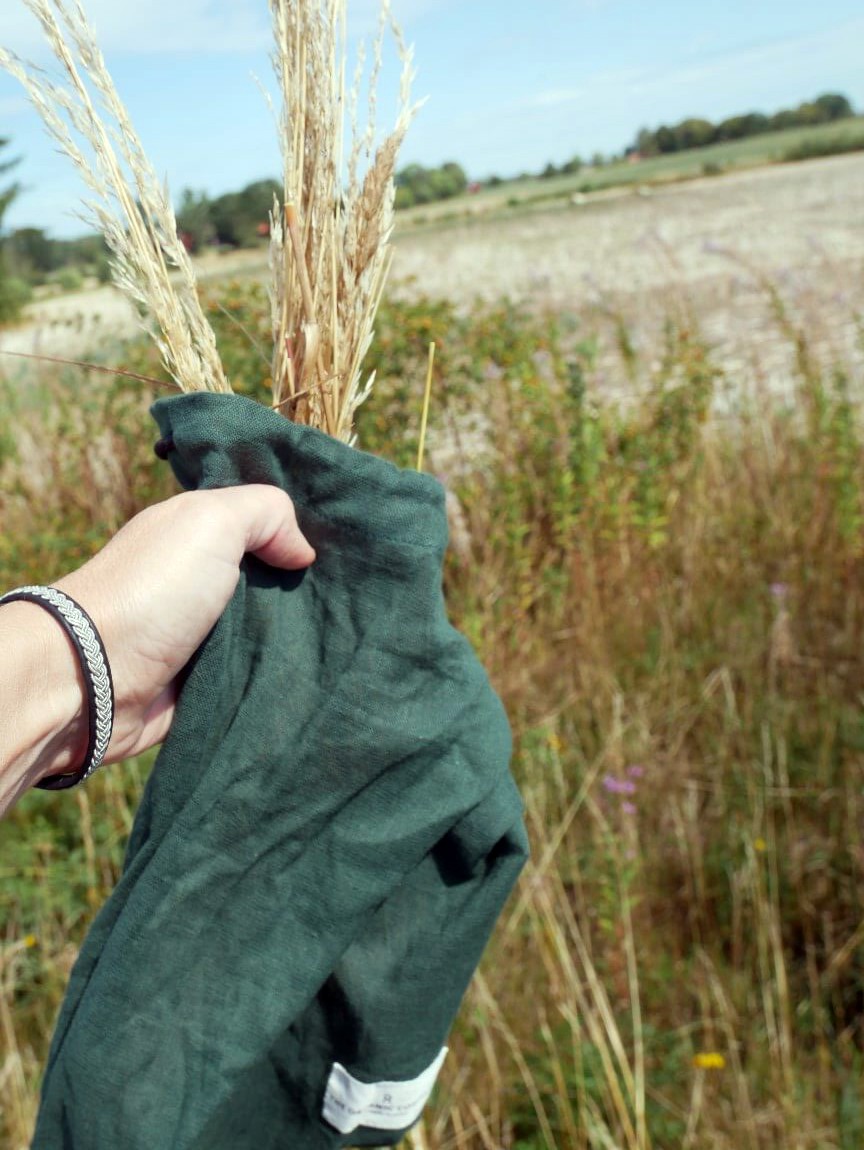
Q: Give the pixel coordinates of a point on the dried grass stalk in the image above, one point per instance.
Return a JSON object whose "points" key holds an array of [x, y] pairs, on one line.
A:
{"points": [[130, 207], [329, 251]]}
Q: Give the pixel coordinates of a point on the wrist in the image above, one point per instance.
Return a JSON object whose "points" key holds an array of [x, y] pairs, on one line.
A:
{"points": [[43, 718]]}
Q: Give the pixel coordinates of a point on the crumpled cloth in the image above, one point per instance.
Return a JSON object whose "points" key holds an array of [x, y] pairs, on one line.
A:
{"points": [[326, 840]]}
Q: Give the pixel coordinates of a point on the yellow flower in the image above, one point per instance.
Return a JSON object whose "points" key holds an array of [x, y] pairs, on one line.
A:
{"points": [[30, 941], [709, 1060], [760, 845]]}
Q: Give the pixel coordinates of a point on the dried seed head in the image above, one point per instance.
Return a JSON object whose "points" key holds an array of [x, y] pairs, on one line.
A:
{"points": [[130, 205], [329, 250], [330, 255]]}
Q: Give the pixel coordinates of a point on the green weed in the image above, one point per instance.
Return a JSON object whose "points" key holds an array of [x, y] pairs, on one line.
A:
{"points": [[672, 609]]}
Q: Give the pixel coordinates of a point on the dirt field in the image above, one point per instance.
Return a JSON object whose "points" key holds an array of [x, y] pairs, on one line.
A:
{"points": [[711, 245]]}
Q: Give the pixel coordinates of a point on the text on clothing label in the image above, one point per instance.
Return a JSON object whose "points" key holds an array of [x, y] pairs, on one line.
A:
{"points": [[349, 1103]]}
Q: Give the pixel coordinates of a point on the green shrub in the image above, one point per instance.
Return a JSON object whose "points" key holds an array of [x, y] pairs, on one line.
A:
{"points": [[68, 279], [672, 610], [815, 147], [15, 293]]}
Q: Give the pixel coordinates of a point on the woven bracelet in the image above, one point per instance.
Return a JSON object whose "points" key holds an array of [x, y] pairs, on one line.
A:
{"points": [[97, 676]]}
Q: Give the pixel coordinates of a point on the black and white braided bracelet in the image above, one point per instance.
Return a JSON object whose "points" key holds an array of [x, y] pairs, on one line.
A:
{"points": [[97, 676]]}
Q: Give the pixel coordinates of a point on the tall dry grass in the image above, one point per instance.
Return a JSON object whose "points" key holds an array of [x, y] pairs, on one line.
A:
{"points": [[330, 236], [88, 121], [671, 606]]}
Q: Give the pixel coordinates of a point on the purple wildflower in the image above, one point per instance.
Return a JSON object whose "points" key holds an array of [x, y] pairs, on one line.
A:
{"points": [[618, 786], [628, 808]]}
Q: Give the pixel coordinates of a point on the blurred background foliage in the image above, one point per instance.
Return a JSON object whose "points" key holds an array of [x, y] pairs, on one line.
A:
{"points": [[668, 595]]}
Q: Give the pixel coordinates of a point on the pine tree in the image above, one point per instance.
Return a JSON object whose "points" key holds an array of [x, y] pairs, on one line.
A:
{"points": [[10, 300]]}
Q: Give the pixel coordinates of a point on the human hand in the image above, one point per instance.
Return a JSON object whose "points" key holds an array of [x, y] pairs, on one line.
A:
{"points": [[157, 589]]}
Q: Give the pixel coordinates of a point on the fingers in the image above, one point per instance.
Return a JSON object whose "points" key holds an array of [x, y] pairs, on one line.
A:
{"points": [[268, 519]]}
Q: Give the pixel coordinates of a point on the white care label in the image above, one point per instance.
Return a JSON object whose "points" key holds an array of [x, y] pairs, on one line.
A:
{"points": [[382, 1105]]}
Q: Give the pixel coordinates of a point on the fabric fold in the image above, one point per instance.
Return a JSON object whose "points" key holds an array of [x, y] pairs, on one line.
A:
{"points": [[325, 842]]}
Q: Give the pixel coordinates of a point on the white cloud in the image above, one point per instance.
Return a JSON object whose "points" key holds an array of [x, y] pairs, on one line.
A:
{"points": [[186, 26], [728, 68], [154, 26], [616, 79]]}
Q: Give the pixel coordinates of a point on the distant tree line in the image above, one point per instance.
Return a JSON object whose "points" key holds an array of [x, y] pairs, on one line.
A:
{"points": [[10, 299], [29, 258], [34, 258], [418, 185], [241, 219], [699, 133], [236, 219], [569, 168]]}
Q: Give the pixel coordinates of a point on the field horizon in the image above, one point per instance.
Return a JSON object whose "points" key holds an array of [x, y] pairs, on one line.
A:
{"points": [[647, 412], [713, 245]]}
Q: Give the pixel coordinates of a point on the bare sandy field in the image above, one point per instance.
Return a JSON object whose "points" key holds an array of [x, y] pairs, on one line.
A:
{"points": [[711, 246], [637, 240]]}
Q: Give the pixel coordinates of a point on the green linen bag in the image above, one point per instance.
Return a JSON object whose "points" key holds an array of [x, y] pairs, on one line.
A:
{"points": [[323, 847]]}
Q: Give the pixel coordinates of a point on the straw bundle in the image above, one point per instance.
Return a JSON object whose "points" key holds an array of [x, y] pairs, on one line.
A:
{"points": [[330, 235]]}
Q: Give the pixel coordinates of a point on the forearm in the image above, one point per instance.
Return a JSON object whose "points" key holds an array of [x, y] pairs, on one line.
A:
{"points": [[153, 594], [42, 718]]}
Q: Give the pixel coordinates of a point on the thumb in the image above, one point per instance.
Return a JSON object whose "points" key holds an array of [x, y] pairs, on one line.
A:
{"points": [[270, 525]]}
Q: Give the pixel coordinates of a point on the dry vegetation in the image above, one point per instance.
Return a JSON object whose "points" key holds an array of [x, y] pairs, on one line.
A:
{"points": [[672, 609], [329, 236], [671, 606], [718, 246]]}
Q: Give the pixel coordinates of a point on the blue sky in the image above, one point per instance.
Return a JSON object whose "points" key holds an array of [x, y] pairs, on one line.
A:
{"points": [[510, 86]]}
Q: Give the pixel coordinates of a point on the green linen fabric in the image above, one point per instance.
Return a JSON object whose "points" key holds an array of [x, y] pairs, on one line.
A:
{"points": [[325, 843]]}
